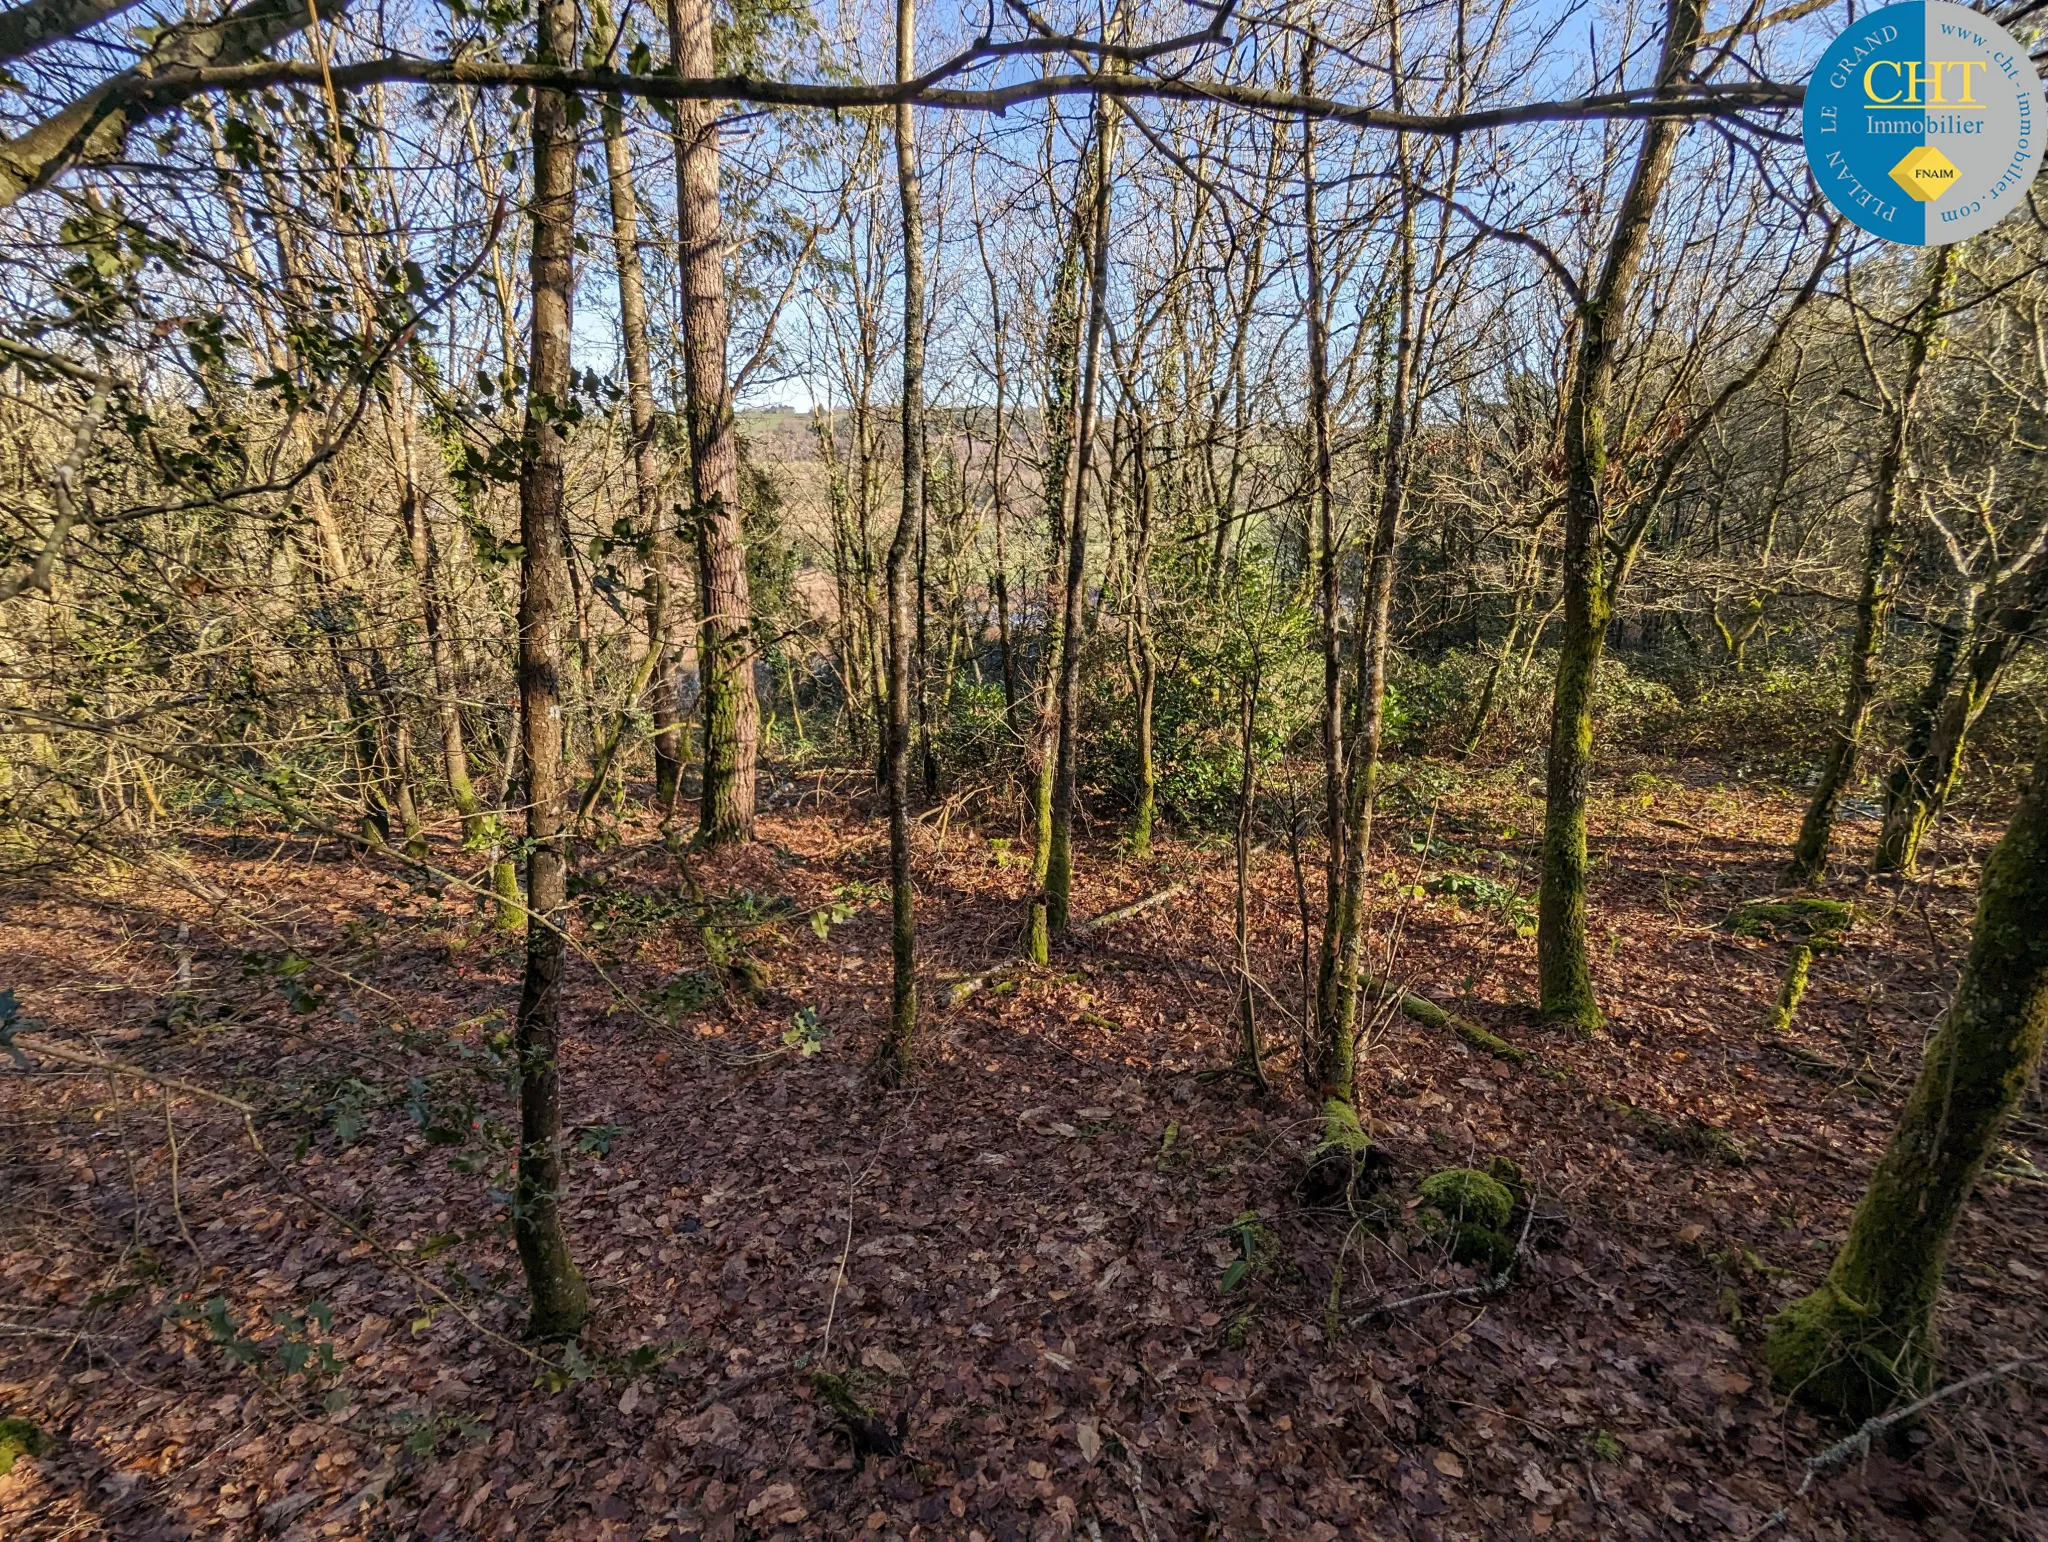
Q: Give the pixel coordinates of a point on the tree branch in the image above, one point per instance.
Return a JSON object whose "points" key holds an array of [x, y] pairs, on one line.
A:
{"points": [[219, 59]]}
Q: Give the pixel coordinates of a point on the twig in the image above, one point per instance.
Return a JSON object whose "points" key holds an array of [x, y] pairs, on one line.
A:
{"points": [[73, 1057], [740, 1384], [839, 1273], [1135, 1477], [1111, 917], [1842, 1452], [962, 989], [1479, 1290], [177, 1207]]}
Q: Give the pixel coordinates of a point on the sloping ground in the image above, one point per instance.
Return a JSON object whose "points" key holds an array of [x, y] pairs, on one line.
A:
{"points": [[1034, 1238]]}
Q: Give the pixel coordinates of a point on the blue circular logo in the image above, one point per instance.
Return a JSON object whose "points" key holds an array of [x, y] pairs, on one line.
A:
{"points": [[1923, 123]]}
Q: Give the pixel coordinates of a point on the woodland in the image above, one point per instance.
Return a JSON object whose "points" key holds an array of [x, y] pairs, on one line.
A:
{"points": [[1017, 772]]}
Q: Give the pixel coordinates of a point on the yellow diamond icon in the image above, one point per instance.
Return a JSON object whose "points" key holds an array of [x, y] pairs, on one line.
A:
{"points": [[1925, 173]]}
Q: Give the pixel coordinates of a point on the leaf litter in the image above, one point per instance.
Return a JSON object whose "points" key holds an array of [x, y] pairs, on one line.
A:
{"points": [[1071, 1286]]}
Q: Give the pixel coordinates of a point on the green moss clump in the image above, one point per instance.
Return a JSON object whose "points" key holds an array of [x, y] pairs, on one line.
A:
{"points": [[1484, 1248], [1341, 1130], [1793, 991], [19, 1438], [1830, 1352], [1342, 1161], [1506, 1171], [1802, 915], [1468, 1195]]}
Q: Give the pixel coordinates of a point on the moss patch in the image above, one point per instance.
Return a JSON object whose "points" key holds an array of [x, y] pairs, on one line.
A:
{"points": [[19, 1438], [1341, 1130], [1465, 1194], [1801, 916], [1836, 1356], [1343, 1161], [1793, 991]]}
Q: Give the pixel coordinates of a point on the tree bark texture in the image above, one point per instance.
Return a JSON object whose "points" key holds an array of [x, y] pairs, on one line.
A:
{"points": [[1867, 1335], [559, 1302], [661, 545], [1059, 872], [894, 1055], [725, 646], [1565, 975]]}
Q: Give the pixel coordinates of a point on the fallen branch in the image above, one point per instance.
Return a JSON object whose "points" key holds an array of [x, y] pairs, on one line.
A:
{"points": [[740, 1384], [1134, 1475], [1422, 1010], [962, 989], [1842, 1452], [1136, 907], [1820, 1065], [1479, 1290], [93, 1062]]}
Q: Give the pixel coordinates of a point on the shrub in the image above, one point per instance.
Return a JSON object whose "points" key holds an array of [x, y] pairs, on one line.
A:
{"points": [[1437, 697]]}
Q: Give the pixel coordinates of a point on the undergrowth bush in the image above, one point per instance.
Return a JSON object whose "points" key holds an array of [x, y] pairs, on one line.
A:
{"points": [[1431, 703]]}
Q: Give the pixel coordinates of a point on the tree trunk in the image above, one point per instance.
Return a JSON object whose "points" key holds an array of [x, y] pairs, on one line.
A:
{"points": [[1525, 602], [922, 665], [1143, 649], [1249, 1062], [1874, 602], [1921, 784], [426, 563], [893, 1055], [725, 649], [1867, 1335], [1059, 869], [504, 870], [1343, 950], [1564, 973], [1062, 406], [559, 1301], [999, 580], [1326, 530], [661, 550]]}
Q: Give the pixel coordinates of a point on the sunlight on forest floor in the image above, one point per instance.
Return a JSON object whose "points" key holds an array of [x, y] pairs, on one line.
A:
{"points": [[1079, 1283]]}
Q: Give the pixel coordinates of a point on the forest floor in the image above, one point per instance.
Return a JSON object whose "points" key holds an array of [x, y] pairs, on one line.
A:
{"points": [[321, 1338]]}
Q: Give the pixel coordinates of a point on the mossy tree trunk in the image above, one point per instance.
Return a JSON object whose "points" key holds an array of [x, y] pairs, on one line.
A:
{"points": [[1142, 646], [1921, 783], [1321, 1067], [1059, 862], [1867, 1335], [1343, 943], [1880, 573], [1062, 404], [426, 563], [511, 909], [559, 1302], [1564, 973], [725, 644], [893, 1055]]}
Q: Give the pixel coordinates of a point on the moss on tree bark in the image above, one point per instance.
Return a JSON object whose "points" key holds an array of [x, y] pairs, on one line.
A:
{"points": [[1867, 1336]]}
